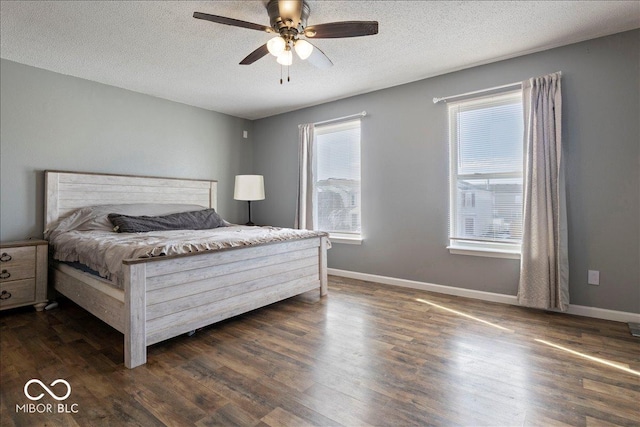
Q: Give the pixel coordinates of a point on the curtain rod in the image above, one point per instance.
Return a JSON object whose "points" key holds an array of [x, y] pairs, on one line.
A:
{"points": [[339, 119], [516, 84], [475, 92]]}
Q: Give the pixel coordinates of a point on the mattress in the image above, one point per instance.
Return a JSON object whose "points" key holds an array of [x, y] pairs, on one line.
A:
{"points": [[104, 251]]}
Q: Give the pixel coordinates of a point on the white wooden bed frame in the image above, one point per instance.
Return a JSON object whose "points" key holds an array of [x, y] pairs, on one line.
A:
{"points": [[167, 296]]}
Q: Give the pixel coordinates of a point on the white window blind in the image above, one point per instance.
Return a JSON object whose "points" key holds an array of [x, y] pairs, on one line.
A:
{"points": [[486, 149], [337, 178]]}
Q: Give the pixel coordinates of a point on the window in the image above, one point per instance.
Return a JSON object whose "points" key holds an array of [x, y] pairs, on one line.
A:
{"points": [[336, 193], [486, 163]]}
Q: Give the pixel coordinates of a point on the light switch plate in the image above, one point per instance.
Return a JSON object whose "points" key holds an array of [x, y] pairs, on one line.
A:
{"points": [[594, 277]]}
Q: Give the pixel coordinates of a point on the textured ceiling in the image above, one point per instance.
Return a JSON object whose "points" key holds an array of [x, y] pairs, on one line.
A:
{"points": [[158, 48]]}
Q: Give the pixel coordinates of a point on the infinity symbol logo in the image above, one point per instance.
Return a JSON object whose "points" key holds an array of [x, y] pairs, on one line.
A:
{"points": [[47, 389]]}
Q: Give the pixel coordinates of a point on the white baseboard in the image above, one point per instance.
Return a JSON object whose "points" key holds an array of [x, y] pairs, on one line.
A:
{"points": [[579, 310]]}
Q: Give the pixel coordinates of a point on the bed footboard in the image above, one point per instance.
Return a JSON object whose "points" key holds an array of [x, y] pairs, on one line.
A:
{"points": [[165, 297]]}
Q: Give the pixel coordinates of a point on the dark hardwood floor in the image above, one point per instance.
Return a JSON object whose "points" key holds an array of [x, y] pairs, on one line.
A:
{"points": [[367, 354]]}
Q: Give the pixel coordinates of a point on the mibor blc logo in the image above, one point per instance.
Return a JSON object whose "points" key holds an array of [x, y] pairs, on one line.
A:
{"points": [[35, 390]]}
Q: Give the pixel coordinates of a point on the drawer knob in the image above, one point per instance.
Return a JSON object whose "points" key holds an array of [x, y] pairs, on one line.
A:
{"points": [[5, 275], [5, 295], [5, 257]]}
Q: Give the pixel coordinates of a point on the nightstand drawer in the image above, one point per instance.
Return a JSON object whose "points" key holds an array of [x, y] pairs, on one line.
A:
{"points": [[18, 292], [17, 263]]}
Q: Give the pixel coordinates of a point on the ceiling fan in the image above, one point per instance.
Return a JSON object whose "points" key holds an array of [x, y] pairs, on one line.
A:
{"points": [[288, 19]]}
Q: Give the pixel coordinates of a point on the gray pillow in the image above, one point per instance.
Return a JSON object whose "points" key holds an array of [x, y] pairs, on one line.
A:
{"points": [[195, 220]]}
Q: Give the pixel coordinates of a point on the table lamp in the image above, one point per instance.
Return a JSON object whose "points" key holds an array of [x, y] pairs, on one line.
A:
{"points": [[249, 188]]}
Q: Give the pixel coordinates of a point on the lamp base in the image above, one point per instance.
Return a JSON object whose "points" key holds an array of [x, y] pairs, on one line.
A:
{"points": [[250, 222]]}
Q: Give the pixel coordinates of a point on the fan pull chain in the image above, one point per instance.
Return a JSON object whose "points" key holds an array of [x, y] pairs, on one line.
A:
{"points": [[288, 75]]}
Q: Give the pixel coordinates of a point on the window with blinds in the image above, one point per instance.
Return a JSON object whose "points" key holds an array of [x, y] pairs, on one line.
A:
{"points": [[486, 163], [336, 190]]}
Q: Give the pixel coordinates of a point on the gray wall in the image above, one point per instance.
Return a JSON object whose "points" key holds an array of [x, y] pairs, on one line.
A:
{"points": [[404, 173], [53, 121]]}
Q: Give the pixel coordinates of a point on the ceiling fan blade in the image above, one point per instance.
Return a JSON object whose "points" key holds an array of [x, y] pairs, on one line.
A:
{"points": [[318, 59], [230, 21], [334, 30], [255, 55]]}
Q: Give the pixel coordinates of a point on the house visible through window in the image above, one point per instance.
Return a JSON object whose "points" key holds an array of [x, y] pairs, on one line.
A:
{"points": [[486, 163], [469, 225], [468, 199], [336, 192]]}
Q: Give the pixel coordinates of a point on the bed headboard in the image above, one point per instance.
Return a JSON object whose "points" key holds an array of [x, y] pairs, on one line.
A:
{"points": [[68, 191]]}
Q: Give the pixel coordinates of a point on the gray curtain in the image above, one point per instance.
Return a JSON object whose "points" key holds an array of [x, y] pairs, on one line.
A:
{"points": [[544, 266], [304, 207]]}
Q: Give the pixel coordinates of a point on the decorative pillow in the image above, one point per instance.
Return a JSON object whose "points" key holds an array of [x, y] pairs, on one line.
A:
{"points": [[95, 217], [195, 220]]}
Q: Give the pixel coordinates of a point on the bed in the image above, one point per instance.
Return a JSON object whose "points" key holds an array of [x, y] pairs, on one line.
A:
{"points": [[165, 296]]}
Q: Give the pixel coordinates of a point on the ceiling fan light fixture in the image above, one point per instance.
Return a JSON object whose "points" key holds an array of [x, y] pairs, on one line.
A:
{"points": [[288, 22], [276, 46], [303, 49], [285, 58]]}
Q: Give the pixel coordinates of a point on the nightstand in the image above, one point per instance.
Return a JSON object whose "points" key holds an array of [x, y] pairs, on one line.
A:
{"points": [[23, 274]]}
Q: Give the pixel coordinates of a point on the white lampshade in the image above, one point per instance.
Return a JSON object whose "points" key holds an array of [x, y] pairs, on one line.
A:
{"points": [[276, 46], [249, 187], [285, 58], [303, 49]]}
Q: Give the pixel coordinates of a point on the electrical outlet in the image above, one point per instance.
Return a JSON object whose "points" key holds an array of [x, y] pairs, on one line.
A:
{"points": [[594, 277]]}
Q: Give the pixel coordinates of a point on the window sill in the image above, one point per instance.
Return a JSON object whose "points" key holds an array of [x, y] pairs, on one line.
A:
{"points": [[345, 239], [485, 252]]}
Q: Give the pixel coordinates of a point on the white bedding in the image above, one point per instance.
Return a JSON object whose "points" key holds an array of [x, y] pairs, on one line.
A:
{"points": [[103, 250]]}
